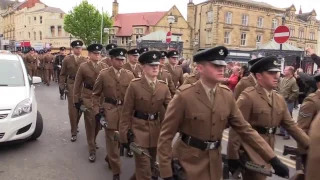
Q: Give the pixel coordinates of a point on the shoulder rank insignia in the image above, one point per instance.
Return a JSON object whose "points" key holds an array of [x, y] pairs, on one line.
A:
{"points": [[224, 87], [162, 81], [185, 86], [305, 114], [136, 79]]}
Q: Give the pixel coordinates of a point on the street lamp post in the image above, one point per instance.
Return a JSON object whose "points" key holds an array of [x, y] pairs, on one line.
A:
{"points": [[106, 30], [70, 42], [171, 20]]}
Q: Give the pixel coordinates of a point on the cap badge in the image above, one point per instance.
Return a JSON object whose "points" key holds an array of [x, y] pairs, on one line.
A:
{"points": [[112, 46], [162, 54], [276, 63], [97, 47], [154, 56], [121, 53], [135, 51], [78, 43], [174, 53], [221, 52]]}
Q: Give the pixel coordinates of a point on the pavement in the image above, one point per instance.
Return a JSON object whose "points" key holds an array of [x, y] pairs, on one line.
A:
{"points": [[54, 157]]}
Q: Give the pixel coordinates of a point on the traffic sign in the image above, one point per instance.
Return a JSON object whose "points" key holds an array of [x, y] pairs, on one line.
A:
{"points": [[168, 38], [281, 34]]}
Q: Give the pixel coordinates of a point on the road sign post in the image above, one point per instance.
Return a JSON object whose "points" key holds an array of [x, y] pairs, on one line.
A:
{"points": [[281, 35]]}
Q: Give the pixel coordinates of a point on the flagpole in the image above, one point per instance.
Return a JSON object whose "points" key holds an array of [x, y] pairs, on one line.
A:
{"points": [[101, 27]]}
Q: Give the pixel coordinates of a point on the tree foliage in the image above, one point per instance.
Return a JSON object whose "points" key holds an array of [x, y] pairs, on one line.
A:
{"points": [[84, 22]]}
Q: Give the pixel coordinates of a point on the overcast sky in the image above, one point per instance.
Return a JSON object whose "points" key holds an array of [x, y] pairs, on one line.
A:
{"points": [[126, 6]]}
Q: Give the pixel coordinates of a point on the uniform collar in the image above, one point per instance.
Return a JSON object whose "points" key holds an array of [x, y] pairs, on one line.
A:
{"points": [[150, 81], [117, 71], [208, 89], [254, 78]]}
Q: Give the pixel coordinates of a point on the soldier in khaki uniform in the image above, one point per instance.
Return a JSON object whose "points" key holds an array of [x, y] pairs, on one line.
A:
{"points": [[112, 84], [48, 67], [31, 60], [107, 59], [265, 110], [132, 65], [175, 70], [192, 78], [308, 111], [83, 86], [234, 140], [200, 113], [144, 100], [70, 66], [165, 75], [313, 161]]}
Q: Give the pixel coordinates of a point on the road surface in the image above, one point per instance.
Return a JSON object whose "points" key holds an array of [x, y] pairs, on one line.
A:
{"points": [[54, 157]]}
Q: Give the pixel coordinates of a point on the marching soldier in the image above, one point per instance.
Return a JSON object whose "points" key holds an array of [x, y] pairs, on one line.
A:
{"points": [[83, 87], [47, 61], [107, 59], [40, 70], [31, 61], [175, 70], [144, 100], [265, 110], [200, 113], [133, 65], [308, 111], [58, 61], [112, 84], [192, 78], [70, 66], [164, 75], [234, 140]]}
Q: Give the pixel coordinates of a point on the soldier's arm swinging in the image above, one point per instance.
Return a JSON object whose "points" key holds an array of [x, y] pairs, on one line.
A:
{"points": [[63, 74], [97, 93], [171, 86], [78, 83]]}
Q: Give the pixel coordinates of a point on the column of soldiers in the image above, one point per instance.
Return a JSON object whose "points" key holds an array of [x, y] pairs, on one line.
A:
{"points": [[134, 96]]}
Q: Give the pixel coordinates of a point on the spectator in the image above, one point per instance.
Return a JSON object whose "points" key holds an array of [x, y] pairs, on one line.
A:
{"points": [[244, 72], [185, 67], [228, 70], [233, 80]]}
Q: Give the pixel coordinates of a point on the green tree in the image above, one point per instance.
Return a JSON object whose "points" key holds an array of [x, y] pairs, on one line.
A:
{"points": [[84, 22]]}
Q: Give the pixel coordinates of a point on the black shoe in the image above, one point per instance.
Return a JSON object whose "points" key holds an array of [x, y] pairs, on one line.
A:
{"points": [[92, 157], [116, 177], [154, 178], [97, 147], [107, 160], [73, 138], [61, 97], [129, 154], [78, 130]]}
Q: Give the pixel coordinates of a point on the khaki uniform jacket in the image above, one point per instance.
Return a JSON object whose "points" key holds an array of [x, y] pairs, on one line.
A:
{"points": [[313, 162], [192, 78], [289, 89], [137, 72], [307, 112], [165, 76], [47, 61], [177, 74], [141, 97], [191, 112], [234, 141], [69, 69], [31, 61], [107, 61], [110, 86], [86, 74], [259, 111]]}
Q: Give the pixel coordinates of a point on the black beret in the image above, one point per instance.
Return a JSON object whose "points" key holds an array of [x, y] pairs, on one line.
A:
{"points": [[144, 49], [173, 53], [317, 77], [119, 53], [269, 63], [134, 52], [163, 54], [150, 57], [95, 47], [111, 46], [216, 55], [252, 61], [76, 43], [62, 48]]}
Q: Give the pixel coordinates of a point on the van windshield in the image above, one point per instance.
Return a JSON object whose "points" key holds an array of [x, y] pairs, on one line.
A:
{"points": [[11, 73]]}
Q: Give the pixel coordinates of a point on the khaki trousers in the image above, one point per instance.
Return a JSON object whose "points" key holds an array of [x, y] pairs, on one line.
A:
{"points": [[249, 175], [113, 152], [48, 75], [32, 72], [74, 115], [144, 166]]}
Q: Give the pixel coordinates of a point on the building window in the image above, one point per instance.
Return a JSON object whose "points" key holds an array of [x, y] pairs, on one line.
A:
{"points": [[274, 23], [125, 40], [59, 31], [243, 40], [34, 36], [111, 31], [209, 17], [292, 31], [228, 18], [35, 19], [139, 30], [29, 20], [138, 37], [111, 38], [259, 38], [209, 37], [52, 31], [312, 36], [301, 33], [245, 20], [40, 35], [227, 37], [29, 34], [260, 22], [40, 19]]}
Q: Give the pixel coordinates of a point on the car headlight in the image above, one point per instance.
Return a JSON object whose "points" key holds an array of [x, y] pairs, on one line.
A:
{"points": [[24, 107]]}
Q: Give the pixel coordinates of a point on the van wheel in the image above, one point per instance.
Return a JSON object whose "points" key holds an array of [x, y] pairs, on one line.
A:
{"points": [[39, 127]]}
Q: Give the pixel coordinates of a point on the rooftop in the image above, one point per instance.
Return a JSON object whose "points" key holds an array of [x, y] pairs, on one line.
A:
{"points": [[50, 9]]}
